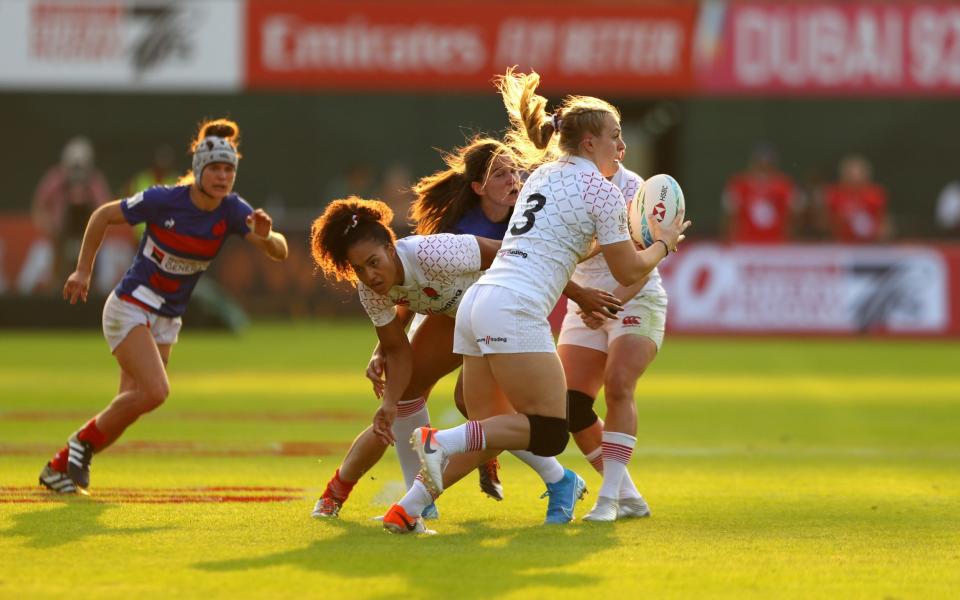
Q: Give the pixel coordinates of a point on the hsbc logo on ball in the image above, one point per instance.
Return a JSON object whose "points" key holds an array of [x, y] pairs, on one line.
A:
{"points": [[660, 211]]}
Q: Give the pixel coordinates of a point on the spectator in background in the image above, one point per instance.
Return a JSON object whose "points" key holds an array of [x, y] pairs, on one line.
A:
{"points": [[160, 172], [855, 209], [761, 203], [357, 180], [948, 209], [65, 198]]}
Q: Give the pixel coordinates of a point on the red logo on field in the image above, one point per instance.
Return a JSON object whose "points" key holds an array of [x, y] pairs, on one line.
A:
{"points": [[429, 291], [220, 228], [659, 211], [631, 321]]}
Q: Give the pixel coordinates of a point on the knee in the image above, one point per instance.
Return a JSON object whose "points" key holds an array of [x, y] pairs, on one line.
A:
{"points": [[619, 390], [154, 394], [548, 435], [580, 411]]}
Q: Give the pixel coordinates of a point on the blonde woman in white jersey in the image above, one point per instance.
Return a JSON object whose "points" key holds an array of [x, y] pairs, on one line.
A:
{"points": [[512, 373], [614, 354]]}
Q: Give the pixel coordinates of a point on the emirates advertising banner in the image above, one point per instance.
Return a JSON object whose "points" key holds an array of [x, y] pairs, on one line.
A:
{"points": [[911, 290], [875, 48], [462, 45], [122, 45]]}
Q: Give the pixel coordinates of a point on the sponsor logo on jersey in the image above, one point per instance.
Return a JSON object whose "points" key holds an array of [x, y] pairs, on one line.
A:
{"points": [[169, 223], [489, 339], [519, 253], [631, 321], [430, 292], [170, 263], [220, 228], [450, 302]]}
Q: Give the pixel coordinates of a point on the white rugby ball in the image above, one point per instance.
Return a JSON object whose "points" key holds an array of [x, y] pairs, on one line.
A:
{"points": [[660, 198]]}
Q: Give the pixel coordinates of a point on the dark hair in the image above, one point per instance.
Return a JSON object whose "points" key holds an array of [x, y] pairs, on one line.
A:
{"points": [[444, 197], [342, 224]]}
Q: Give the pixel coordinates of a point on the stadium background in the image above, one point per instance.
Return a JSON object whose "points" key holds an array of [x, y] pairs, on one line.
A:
{"points": [[699, 84]]}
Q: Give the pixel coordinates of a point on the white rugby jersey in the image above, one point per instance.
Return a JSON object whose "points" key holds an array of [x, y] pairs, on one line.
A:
{"points": [[595, 272], [437, 270], [562, 206]]}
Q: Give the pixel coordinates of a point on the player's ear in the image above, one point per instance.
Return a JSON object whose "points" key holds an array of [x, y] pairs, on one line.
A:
{"points": [[477, 187]]}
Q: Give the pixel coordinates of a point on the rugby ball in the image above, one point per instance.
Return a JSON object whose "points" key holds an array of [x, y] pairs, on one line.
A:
{"points": [[660, 198]]}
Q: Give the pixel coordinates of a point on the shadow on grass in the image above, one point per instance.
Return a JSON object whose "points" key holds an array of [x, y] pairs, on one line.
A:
{"points": [[473, 560], [70, 522]]}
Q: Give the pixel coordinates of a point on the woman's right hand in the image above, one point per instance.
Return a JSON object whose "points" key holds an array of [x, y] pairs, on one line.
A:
{"points": [[77, 286], [671, 234], [375, 370]]}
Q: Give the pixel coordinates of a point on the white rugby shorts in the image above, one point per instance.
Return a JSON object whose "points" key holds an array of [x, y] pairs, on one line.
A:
{"points": [[644, 314], [120, 317], [495, 320]]}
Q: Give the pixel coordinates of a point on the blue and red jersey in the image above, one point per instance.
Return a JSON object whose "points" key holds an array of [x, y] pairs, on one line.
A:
{"points": [[177, 246], [475, 222]]}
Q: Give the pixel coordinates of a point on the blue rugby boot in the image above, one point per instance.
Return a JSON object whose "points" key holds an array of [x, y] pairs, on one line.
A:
{"points": [[563, 495]]}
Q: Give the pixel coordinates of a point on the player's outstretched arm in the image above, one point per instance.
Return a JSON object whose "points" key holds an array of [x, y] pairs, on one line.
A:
{"points": [[262, 236], [398, 368], [78, 283]]}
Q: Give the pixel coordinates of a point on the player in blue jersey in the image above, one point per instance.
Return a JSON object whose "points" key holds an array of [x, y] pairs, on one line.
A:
{"points": [[186, 226]]}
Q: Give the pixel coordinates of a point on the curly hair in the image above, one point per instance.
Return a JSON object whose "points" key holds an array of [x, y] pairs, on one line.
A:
{"points": [[532, 130], [342, 224], [444, 197]]}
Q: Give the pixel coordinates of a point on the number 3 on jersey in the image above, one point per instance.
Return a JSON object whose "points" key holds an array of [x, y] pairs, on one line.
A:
{"points": [[535, 203]]}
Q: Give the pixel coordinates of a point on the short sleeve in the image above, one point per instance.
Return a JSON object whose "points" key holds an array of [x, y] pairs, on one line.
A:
{"points": [[446, 255], [380, 309], [143, 206], [607, 209], [238, 217]]}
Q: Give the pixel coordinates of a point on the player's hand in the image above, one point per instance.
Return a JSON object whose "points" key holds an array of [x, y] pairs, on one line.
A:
{"points": [[671, 234], [383, 422], [77, 286], [591, 320], [375, 373], [599, 302], [260, 223]]}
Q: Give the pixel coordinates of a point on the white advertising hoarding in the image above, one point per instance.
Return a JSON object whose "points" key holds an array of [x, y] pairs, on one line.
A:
{"points": [[808, 289], [121, 45]]}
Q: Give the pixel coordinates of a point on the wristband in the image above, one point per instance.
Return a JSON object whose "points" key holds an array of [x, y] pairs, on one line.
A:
{"points": [[665, 247]]}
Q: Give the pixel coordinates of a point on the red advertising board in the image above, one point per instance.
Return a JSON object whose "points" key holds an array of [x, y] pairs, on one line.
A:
{"points": [[814, 289], [867, 48], [627, 48]]}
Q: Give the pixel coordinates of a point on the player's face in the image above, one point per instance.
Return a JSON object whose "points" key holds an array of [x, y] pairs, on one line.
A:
{"points": [[607, 148], [502, 185], [374, 264], [217, 179]]}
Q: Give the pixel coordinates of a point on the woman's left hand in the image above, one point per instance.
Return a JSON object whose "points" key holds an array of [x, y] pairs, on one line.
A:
{"points": [[383, 422], [598, 302], [260, 223]]}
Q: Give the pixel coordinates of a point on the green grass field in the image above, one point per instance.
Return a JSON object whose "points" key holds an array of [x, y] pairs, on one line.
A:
{"points": [[787, 469]]}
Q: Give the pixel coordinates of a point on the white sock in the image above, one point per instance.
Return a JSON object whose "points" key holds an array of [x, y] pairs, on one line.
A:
{"points": [[617, 450], [547, 467], [627, 488], [410, 415], [417, 499], [468, 437], [595, 458]]}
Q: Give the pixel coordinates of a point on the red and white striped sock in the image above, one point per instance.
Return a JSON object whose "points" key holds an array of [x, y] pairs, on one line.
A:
{"points": [[410, 415], [468, 437], [617, 450], [595, 458]]}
